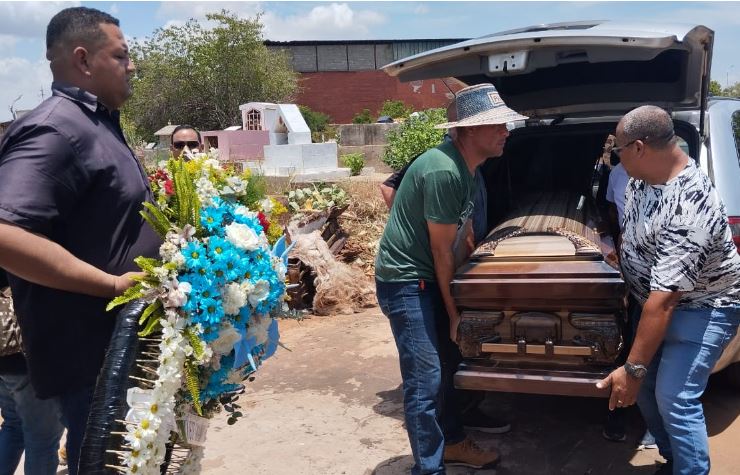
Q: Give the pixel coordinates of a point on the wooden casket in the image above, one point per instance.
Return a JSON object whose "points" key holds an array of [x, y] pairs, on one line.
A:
{"points": [[541, 301]]}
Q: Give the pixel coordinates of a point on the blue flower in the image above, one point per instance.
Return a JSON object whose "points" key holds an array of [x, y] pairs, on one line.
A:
{"points": [[220, 272], [210, 310], [196, 280], [216, 384], [210, 333], [233, 265], [195, 256], [212, 219], [218, 247]]}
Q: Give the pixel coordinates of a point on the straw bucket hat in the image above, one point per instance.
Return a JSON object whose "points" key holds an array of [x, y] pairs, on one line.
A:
{"points": [[481, 105]]}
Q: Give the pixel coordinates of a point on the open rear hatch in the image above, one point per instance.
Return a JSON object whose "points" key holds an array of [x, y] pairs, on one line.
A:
{"points": [[580, 68]]}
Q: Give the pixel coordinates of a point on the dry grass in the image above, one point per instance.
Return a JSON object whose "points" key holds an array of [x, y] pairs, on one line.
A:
{"points": [[364, 221]]}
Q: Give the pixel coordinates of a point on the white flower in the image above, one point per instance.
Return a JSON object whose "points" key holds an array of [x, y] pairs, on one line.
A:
{"points": [[186, 234], [211, 163], [161, 274], [266, 205], [205, 190], [258, 328], [227, 337], [247, 287], [279, 266], [177, 293], [234, 298], [168, 250], [236, 184], [242, 236], [244, 211], [194, 154], [151, 426], [259, 292], [179, 260]]}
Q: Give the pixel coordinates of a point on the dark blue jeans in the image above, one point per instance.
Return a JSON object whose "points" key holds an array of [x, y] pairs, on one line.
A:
{"points": [[29, 424], [75, 406], [428, 360]]}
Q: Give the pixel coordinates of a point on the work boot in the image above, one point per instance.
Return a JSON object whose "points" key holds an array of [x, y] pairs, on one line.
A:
{"points": [[475, 419], [468, 454]]}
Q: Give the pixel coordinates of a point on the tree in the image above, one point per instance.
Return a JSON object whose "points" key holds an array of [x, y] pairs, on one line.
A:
{"points": [[194, 75], [715, 88], [732, 91]]}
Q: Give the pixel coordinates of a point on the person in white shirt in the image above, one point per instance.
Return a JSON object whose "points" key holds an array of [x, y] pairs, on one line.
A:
{"points": [[615, 191]]}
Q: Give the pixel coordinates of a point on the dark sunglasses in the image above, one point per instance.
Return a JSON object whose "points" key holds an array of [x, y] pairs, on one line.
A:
{"points": [[665, 138], [618, 150], [189, 143]]}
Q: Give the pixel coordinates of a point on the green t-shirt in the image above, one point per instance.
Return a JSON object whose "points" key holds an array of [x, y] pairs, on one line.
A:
{"points": [[437, 187]]}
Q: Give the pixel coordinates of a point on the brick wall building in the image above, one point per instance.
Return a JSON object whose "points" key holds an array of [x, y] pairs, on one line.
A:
{"points": [[340, 78]]}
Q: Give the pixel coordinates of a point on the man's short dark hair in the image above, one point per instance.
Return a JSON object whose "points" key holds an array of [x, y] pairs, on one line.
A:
{"points": [[186, 127], [650, 124], [77, 24]]}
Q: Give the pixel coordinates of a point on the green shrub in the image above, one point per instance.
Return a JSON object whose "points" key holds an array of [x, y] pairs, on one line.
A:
{"points": [[395, 109], [413, 137], [363, 117], [329, 134], [316, 121], [355, 162]]}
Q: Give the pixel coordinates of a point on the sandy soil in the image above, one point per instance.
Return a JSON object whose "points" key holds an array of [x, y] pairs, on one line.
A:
{"points": [[332, 405]]}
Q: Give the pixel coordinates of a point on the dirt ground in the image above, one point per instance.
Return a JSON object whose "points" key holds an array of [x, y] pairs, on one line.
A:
{"points": [[332, 404]]}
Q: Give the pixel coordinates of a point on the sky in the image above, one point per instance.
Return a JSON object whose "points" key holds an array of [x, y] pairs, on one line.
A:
{"points": [[24, 71]]}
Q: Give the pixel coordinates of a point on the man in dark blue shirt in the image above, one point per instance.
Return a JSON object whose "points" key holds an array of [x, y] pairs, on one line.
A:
{"points": [[70, 194]]}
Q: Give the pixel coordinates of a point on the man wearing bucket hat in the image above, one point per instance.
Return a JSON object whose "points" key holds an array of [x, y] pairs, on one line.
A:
{"points": [[413, 271]]}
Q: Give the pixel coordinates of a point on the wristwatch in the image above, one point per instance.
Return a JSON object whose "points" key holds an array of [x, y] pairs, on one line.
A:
{"points": [[637, 371]]}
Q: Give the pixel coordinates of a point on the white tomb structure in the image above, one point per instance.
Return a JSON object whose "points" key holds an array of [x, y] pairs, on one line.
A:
{"points": [[290, 151]]}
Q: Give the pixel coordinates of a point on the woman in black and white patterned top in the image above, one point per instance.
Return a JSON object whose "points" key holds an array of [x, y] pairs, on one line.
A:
{"points": [[680, 263]]}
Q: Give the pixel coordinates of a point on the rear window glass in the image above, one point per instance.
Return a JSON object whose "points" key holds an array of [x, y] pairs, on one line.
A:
{"points": [[683, 145]]}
